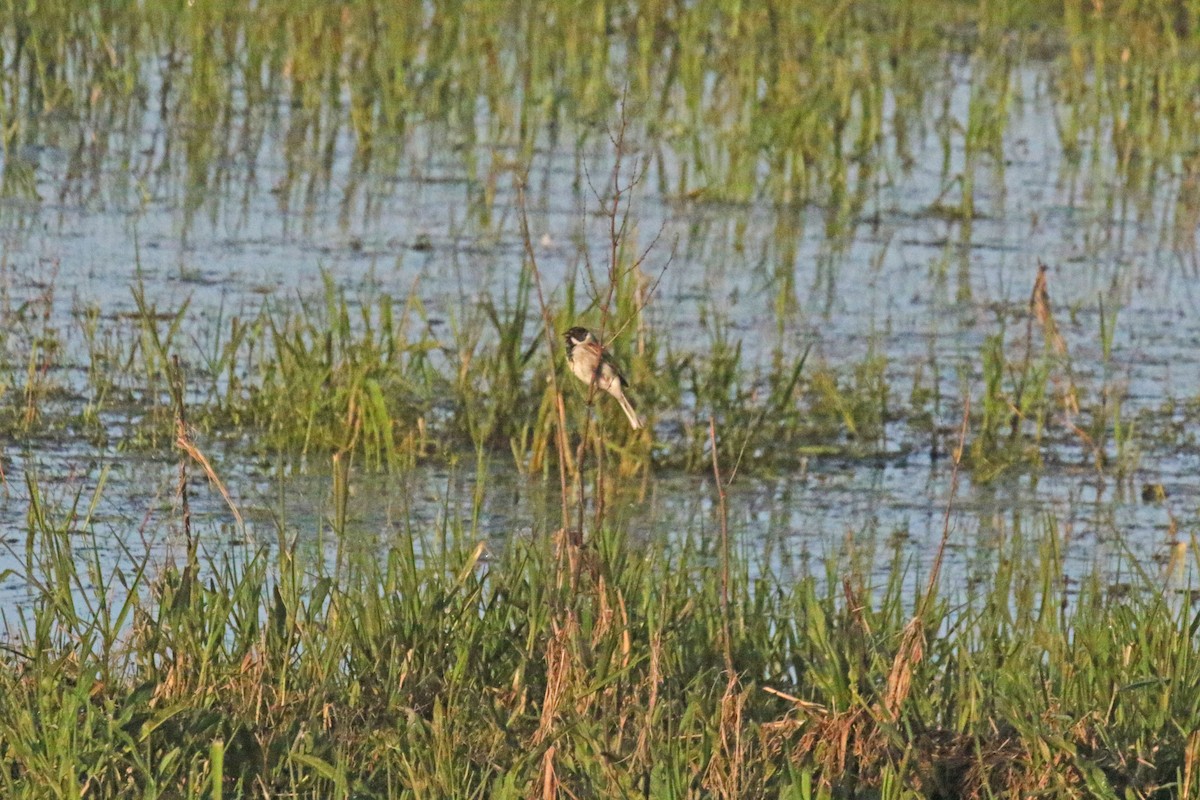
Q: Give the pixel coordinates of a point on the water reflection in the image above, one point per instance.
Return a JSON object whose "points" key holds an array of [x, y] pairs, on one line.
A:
{"points": [[872, 516]]}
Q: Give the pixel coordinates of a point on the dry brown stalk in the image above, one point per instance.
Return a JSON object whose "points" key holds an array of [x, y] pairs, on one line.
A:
{"points": [[184, 442]]}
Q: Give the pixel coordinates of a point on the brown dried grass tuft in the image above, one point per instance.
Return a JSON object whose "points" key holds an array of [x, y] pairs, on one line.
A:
{"points": [[725, 775]]}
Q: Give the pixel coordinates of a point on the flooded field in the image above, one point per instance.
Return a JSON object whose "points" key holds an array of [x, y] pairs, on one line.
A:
{"points": [[331, 237], [899, 294]]}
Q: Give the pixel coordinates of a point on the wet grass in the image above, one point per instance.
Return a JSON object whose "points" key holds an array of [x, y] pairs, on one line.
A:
{"points": [[779, 101], [553, 668], [371, 375]]}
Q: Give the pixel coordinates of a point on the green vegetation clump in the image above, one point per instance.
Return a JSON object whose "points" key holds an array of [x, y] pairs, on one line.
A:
{"points": [[366, 375], [609, 667]]}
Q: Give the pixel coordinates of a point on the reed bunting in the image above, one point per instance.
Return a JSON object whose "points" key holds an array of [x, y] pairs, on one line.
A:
{"points": [[592, 364]]}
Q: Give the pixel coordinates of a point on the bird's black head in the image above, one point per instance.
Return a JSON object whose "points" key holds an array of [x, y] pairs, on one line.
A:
{"points": [[576, 336]]}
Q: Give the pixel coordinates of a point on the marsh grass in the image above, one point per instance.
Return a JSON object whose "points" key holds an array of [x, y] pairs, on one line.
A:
{"points": [[732, 106], [584, 661], [366, 374], [788, 103], [1034, 398], [442, 670]]}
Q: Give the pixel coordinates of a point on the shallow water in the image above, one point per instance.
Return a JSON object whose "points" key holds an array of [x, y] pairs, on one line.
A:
{"points": [[900, 280]]}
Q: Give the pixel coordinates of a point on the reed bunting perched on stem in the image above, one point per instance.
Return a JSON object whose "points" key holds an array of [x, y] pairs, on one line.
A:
{"points": [[592, 364]]}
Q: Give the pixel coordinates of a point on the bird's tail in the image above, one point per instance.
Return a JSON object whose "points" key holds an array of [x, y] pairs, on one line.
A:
{"points": [[627, 407]]}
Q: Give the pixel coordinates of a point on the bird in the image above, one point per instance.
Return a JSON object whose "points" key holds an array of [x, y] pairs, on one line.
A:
{"points": [[592, 364]]}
